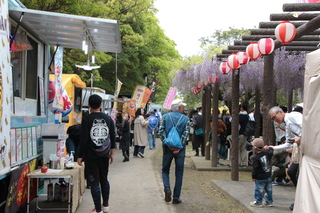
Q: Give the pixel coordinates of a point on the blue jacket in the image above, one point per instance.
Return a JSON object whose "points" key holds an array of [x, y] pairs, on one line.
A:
{"points": [[153, 123]]}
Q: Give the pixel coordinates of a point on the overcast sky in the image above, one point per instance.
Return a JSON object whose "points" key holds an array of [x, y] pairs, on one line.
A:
{"points": [[186, 21]]}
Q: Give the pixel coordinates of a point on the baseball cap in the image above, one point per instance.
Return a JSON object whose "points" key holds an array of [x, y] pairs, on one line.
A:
{"points": [[176, 103], [258, 143], [298, 109]]}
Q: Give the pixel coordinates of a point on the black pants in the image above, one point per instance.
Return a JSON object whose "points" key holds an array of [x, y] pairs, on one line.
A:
{"points": [[293, 172], [199, 142], [97, 177]]}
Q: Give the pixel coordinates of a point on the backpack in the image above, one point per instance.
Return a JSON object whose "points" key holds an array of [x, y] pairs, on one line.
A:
{"points": [[74, 132], [250, 128], [173, 139]]}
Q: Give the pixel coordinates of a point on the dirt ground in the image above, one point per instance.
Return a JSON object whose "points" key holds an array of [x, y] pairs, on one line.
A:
{"points": [[198, 193]]}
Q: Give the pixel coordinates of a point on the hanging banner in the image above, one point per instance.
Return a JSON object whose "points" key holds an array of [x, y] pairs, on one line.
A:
{"points": [[115, 105], [58, 100], [5, 87], [141, 96], [131, 107], [170, 96], [146, 95]]}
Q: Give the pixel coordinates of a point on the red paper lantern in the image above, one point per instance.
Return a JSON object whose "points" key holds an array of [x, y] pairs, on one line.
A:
{"points": [[194, 90], [212, 78], [233, 62], [243, 58], [204, 82], [266, 45], [224, 68], [285, 32], [253, 51]]}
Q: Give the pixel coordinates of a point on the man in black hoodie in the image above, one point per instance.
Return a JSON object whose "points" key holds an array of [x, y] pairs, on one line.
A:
{"points": [[97, 143]]}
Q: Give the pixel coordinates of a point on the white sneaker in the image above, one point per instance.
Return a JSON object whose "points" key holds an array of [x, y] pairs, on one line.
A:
{"points": [[255, 204], [268, 204], [94, 211], [105, 209]]}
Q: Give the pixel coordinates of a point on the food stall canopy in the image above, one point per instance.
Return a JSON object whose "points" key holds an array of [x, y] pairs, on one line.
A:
{"points": [[68, 30]]}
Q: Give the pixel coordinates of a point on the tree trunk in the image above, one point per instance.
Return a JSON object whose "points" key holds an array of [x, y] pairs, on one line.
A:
{"points": [[235, 126], [268, 127], [257, 114], [214, 135], [204, 114], [290, 100]]}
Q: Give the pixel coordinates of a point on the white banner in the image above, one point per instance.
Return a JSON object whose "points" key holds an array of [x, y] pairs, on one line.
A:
{"points": [[5, 82]]}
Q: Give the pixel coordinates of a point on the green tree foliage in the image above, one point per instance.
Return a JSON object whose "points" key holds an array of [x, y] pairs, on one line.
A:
{"points": [[222, 38], [146, 50]]}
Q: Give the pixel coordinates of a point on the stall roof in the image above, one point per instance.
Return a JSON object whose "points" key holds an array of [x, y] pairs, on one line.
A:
{"points": [[69, 30]]}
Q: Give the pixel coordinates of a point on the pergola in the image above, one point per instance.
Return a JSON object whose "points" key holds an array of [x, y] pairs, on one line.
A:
{"points": [[305, 18]]}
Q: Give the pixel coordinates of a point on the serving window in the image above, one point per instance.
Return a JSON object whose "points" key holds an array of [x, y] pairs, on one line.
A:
{"points": [[26, 66]]}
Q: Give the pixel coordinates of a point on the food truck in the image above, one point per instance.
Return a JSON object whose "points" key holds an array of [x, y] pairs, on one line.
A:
{"points": [[26, 37]]}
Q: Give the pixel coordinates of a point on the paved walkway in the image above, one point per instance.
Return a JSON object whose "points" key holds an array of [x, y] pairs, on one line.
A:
{"points": [[134, 186], [242, 191], [137, 188]]}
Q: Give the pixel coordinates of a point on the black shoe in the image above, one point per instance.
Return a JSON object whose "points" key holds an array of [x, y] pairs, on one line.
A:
{"points": [[141, 155], [196, 155], [167, 193], [291, 206], [176, 201]]}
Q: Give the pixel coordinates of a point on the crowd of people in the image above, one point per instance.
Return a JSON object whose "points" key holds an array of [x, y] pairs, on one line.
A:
{"points": [[94, 141]]}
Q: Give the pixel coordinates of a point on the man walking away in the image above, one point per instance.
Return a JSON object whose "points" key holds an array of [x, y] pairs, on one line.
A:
{"points": [[152, 130], [197, 123], [181, 121], [243, 120], [96, 147]]}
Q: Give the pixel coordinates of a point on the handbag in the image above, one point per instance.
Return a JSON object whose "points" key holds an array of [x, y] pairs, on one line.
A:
{"points": [[173, 139], [198, 131]]}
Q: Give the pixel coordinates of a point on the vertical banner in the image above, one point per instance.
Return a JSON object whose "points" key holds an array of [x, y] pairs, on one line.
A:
{"points": [[146, 95], [170, 96], [141, 96], [115, 105], [5, 86], [131, 107], [58, 101], [138, 95]]}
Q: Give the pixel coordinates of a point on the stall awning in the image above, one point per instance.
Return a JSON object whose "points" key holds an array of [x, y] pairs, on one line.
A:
{"points": [[69, 30]]}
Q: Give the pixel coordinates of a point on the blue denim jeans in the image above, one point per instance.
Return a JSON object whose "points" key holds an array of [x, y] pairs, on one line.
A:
{"points": [[152, 139], [138, 149], [71, 146], [263, 185], [167, 158]]}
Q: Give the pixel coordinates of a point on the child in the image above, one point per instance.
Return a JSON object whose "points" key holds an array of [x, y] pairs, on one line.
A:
{"points": [[261, 174]]}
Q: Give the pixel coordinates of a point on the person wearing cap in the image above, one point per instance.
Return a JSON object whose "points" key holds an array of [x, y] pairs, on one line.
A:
{"points": [[298, 109], [181, 121], [261, 174], [152, 130], [293, 123]]}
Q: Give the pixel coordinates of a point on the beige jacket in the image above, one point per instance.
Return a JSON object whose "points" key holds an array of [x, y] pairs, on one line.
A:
{"points": [[141, 131]]}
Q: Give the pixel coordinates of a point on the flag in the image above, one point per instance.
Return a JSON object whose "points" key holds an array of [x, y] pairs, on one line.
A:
{"points": [[170, 96]]}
